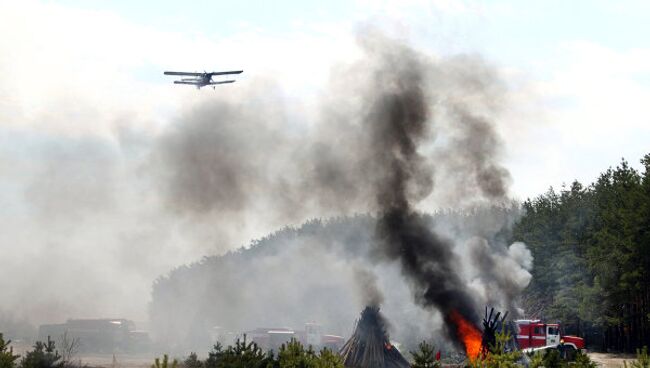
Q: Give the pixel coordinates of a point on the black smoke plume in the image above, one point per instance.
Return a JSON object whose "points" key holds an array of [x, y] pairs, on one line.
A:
{"points": [[400, 117]]}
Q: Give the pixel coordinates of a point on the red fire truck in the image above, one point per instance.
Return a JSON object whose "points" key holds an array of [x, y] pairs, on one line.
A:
{"points": [[535, 335]]}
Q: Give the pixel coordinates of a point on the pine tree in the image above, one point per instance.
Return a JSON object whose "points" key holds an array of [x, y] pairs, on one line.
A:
{"points": [[294, 355], [164, 363], [242, 355], [7, 357], [425, 356], [44, 355], [328, 359], [192, 361]]}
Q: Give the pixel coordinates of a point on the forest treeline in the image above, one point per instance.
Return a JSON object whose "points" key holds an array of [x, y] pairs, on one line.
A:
{"points": [[591, 264], [591, 249]]}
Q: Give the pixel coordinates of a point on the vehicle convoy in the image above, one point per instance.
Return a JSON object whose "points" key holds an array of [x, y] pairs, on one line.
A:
{"points": [[533, 335], [312, 335]]}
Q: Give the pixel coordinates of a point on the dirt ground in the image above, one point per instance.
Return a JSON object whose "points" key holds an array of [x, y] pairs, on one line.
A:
{"points": [[121, 361], [607, 360]]}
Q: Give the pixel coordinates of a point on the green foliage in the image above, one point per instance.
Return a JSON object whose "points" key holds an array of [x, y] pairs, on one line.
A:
{"points": [[582, 360], [499, 356], [164, 363], [642, 359], [44, 355], [536, 360], [294, 355], [329, 359], [192, 361], [241, 355], [425, 356], [7, 357], [248, 355], [552, 358]]}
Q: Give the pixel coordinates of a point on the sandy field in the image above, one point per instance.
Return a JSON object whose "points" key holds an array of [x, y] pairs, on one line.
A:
{"points": [[607, 360]]}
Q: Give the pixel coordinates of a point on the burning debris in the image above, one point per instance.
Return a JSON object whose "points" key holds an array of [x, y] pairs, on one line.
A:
{"points": [[478, 343], [369, 347], [491, 325], [468, 334]]}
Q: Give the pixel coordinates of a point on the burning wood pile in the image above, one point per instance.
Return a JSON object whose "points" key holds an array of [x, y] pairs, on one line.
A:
{"points": [[478, 343], [369, 347], [491, 325]]}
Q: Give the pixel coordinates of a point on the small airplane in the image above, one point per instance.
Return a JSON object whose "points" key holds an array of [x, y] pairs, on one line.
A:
{"points": [[202, 79]]}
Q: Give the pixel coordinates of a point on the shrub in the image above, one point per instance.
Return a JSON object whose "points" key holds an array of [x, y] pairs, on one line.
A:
{"points": [[642, 359], [165, 363], [242, 355], [44, 355], [192, 361], [425, 356]]}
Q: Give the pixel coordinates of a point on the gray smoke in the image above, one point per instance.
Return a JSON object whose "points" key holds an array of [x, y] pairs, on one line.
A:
{"points": [[398, 119], [400, 112], [397, 133], [397, 129], [367, 287]]}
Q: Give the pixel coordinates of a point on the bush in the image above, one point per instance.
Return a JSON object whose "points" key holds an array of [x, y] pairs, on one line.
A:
{"points": [[249, 355], [165, 363], [192, 361], [499, 356], [551, 358], [242, 355], [328, 359], [294, 355], [44, 355], [425, 356]]}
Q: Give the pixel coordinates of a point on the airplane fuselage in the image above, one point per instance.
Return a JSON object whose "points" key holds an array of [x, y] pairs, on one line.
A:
{"points": [[202, 79]]}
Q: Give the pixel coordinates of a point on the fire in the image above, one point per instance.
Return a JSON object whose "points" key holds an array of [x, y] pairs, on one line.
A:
{"points": [[469, 334]]}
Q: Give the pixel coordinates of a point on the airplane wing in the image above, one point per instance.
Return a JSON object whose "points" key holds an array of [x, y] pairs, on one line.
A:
{"points": [[222, 82], [185, 82], [230, 72], [182, 73]]}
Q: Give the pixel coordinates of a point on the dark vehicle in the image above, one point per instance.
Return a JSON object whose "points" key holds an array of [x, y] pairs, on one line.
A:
{"points": [[98, 335]]}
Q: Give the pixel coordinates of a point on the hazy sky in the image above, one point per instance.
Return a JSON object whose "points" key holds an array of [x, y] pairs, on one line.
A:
{"points": [[579, 71], [82, 96]]}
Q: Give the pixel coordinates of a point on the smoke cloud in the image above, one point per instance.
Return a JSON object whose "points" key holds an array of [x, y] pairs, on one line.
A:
{"points": [[397, 133], [396, 130], [398, 119], [368, 288]]}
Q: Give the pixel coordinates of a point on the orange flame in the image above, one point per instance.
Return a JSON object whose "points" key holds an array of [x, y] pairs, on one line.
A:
{"points": [[469, 335]]}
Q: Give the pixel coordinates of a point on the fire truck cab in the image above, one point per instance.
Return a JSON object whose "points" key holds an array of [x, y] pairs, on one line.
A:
{"points": [[536, 335]]}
